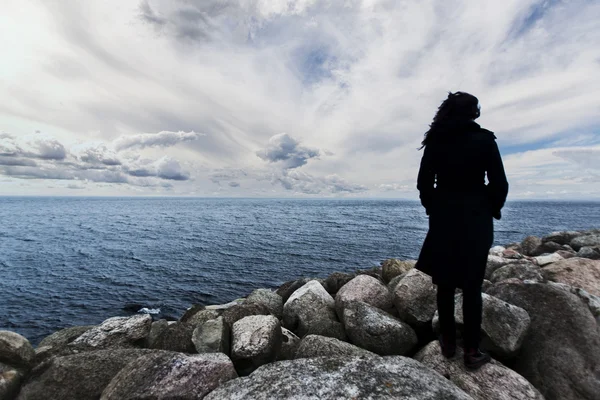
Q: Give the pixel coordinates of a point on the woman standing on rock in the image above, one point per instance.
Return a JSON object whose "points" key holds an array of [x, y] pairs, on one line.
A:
{"points": [[458, 154]]}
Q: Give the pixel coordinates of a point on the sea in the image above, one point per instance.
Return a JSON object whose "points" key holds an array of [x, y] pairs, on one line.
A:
{"points": [[68, 261]]}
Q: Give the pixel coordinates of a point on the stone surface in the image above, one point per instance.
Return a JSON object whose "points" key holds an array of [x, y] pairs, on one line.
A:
{"points": [[77, 377], [591, 240], [115, 332], [503, 325], [237, 312], [289, 345], [522, 271], [328, 378], [306, 306], [318, 346], [415, 299], [326, 327], [335, 281], [493, 381], [156, 330], [593, 253], [176, 336], [547, 259], [286, 290], [560, 355], [562, 237], [15, 350], [10, 382], [530, 244], [363, 288], [496, 251], [593, 302], [375, 330], [268, 298], [496, 262], [212, 336], [64, 336], [190, 312], [170, 376], [392, 268], [202, 316], [577, 272], [515, 246], [256, 340], [223, 307]]}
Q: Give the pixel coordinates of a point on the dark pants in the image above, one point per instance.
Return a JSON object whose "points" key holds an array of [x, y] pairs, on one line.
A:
{"points": [[471, 313]]}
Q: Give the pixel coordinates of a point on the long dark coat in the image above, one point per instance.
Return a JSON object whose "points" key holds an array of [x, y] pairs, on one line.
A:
{"points": [[461, 207]]}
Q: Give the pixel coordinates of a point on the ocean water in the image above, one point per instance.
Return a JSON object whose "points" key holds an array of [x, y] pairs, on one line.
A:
{"points": [[78, 261]]}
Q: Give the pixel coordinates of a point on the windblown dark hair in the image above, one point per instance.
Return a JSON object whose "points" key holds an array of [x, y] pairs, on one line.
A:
{"points": [[458, 107]]}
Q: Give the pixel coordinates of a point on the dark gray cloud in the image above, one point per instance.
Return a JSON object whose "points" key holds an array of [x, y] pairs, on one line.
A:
{"points": [[287, 151], [234, 184], [160, 139], [37, 146]]}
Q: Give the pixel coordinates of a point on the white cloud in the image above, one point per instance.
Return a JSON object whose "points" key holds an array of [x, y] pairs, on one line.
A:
{"points": [[287, 151], [160, 139]]}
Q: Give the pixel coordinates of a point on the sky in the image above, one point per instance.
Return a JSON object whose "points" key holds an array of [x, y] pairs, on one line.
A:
{"points": [[290, 98]]}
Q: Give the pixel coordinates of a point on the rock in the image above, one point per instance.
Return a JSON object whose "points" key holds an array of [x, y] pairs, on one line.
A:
{"points": [[392, 268], [268, 298], [10, 382], [176, 336], [286, 290], [530, 244], [335, 281], [562, 238], [493, 381], [352, 377], [289, 345], [495, 262], [306, 306], [170, 376], [256, 341], [546, 248], [515, 246], [592, 240], [561, 351], [325, 327], [363, 288], [523, 270], [548, 259], [415, 299], [375, 330], [578, 272], [43, 353], [496, 251], [237, 312], [190, 312], [593, 253], [64, 336], [115, 332], [77, 377], [566, 253], [320, 346], [593, 302], [486, 285], [223, 307], [212, 336], [374, 272], [503, 325], [394, 282], [511, 254], [156, 329], [202, 316], [15, 350]]}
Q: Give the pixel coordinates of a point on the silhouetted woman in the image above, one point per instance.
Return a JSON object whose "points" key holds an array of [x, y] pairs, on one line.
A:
{"points": [[457, 157]]}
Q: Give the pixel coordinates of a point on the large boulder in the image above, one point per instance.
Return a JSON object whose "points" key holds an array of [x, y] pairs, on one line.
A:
{"points": [[392, 268], [335, 281], [202, 316], [363, 288], [268, 298], [377, 331], [496, 262], [212, 336], [64, 336], [289, 345], [593, 253], [592, 240], [123, 332], [523, 270], [328, 378], [77, 377], [15, 350], [317, 346], [593, 302], [306, 306], [547, 259], [176, 336], [562, 237], [170, 376], [10, 382], [503, 325], [288, 288], [223, 307], [530, 244], [190, 312], [493, 381], [256, 340], [578, 272], [415, 299], [239, 311], [560, 354], [326, 327]]}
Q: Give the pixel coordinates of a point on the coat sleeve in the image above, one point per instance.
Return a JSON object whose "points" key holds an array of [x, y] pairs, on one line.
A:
{"points": [[426, 180], [497, 183]]}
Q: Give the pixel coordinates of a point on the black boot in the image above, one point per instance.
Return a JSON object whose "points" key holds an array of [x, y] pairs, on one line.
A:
{"points": [[448, 345], [475, 358]]}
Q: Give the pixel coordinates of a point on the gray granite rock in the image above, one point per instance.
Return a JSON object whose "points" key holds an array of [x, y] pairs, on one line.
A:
{"points": [[562, 237], [415, 299], [325, 327], [212, 336], [202, 316], [10, 382], [578, 272], [363, 288], [393, 267], [237, 312], [289, 345], [593, 253], [176, 336], [317, 346], [15, 350], [523, 270], [592, 240], [256, 340], [270, 299], [530, 244], [306, 307], [170, 376], [328, 378], [123, 332], [65, 336], [335, 281]]}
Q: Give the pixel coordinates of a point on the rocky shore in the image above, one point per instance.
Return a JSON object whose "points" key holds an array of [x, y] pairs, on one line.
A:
{"points": [[363, 335]]}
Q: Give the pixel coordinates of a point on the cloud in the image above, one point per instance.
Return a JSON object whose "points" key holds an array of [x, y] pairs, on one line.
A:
{"points": [[302, 182], [40, 146], [95, 153], [160, 139], [287, 151], [234, 184]]}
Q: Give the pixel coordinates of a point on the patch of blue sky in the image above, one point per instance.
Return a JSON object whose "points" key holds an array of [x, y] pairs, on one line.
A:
{"points": [[573, 138], [534, 14]]}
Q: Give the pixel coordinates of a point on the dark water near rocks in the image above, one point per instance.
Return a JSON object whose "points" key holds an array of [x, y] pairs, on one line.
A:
{"points": [[78, 261]]}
